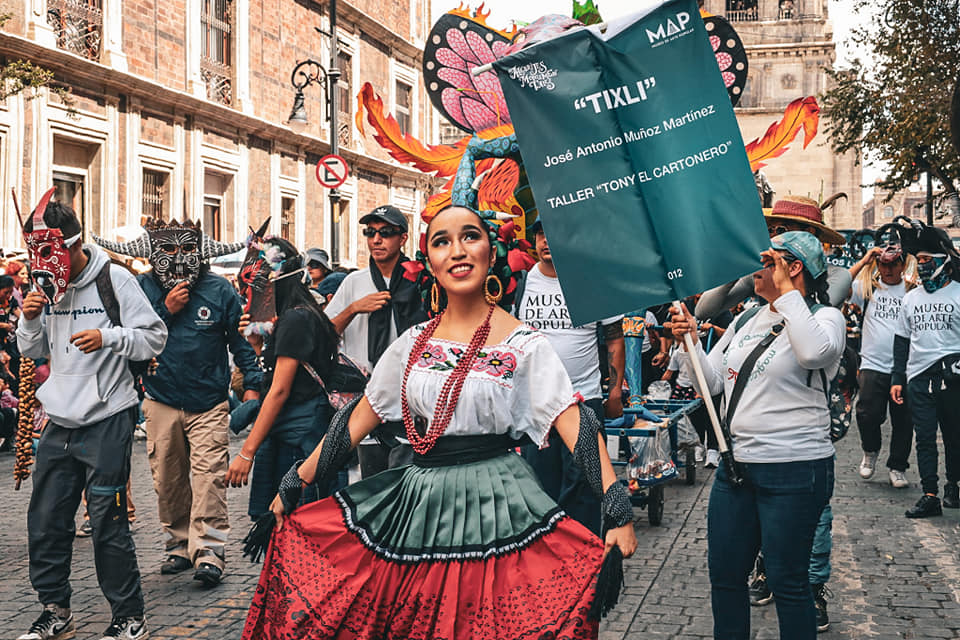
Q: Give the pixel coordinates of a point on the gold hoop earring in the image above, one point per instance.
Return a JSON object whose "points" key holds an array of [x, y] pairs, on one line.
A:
{"points": [[492, 298], [435, 298]]}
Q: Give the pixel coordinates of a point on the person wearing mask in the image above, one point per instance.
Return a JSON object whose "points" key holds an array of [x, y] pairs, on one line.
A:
{"points": [[370, 309], [878, 290], [772, 370], [92, 405], [185, 407], [542, 306], [926, 360], [300, 343]]}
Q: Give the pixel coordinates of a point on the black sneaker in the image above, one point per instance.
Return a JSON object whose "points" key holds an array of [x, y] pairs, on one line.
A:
{"points": [[175, 564], [951, 496], [820, 593], [760, 593], [208, 574], [126, 629], [926, 507], [51, 625]]}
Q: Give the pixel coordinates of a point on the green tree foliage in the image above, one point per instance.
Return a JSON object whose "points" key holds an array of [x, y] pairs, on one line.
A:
{"points": [[895, 102], [22, 76]]}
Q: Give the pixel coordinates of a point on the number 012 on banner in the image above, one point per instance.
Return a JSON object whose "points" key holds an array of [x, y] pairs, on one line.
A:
{"points": [[332, 171]]}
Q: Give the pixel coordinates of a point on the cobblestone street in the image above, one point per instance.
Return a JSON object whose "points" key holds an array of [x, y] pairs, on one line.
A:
{"points": [[892, 577]]}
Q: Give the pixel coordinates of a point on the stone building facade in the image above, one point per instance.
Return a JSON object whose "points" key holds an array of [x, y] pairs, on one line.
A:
{"points": [[181, 107], [789, 43]]}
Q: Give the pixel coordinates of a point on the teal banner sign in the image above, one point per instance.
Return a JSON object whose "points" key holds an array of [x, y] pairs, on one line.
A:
{"points": [[636, 161]]}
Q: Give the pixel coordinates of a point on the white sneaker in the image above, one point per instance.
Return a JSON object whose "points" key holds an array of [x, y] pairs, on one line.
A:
{"points": [[126, 629], [898, 479], [53, 624], [869, 464], [698, 453], [713, 459]]}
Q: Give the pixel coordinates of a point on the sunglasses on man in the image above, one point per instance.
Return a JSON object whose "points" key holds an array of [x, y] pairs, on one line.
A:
{"points": [[385, 232]]}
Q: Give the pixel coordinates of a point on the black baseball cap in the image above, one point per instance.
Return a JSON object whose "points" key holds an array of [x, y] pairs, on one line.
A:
{"points": [[386, 213], [536, 227]]}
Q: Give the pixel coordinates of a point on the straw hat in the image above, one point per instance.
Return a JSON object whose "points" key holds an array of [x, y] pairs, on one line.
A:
{"points": [[805, 211]]}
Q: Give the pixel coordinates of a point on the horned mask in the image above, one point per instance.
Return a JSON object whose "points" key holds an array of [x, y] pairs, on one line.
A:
{"points": [[49, 252], [176, 250]]}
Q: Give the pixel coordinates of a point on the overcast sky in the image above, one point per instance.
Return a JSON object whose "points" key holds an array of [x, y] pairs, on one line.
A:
{"points": [[503, 12]]}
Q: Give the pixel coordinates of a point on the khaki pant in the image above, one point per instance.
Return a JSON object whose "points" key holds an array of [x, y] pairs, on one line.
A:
{"points": [[189, 457]]}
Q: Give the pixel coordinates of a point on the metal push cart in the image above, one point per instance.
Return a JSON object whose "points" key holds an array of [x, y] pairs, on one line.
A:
{"points": [[670, 411]]}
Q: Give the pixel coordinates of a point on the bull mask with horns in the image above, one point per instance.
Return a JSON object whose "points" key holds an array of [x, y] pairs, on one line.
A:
{"points": [[49, 251], [176, 250]]}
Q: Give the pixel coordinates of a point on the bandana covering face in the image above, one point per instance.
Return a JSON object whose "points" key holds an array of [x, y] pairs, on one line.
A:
{"points": [[49, 254], [175, 255], [933, 272]]}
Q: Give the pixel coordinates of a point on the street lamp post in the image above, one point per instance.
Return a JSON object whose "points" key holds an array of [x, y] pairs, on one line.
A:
{"points": [[311, 72]]}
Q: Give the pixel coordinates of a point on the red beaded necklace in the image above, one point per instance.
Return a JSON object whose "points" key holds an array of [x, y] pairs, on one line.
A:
{"points": [[449, 393]]}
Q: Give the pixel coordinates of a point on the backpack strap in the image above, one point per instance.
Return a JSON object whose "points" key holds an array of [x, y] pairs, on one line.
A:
{"points": [[823, 372], [107, 295], [747, 368], [745, 317]]}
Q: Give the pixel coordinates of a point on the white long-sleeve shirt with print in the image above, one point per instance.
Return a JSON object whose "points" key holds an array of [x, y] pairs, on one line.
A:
{"points": [[780, 417]]}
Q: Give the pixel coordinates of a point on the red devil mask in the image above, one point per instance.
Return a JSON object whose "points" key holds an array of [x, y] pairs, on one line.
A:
{"points": [[49, 254]]}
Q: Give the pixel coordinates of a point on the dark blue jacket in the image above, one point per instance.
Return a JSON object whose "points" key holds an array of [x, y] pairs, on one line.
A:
{"points": [[193, 372]]}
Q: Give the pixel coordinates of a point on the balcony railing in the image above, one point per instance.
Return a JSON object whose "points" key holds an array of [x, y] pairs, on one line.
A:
{"points": [[787, 13], [217, 77], [78, 25], [743, 15]]}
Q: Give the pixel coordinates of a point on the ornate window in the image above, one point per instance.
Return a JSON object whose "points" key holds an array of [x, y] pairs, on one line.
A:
{"points": [[216, 54], [344, 98], [402, 105], [78, 26], [288, 213], [742, 10], [788, 10], [154, 194]]}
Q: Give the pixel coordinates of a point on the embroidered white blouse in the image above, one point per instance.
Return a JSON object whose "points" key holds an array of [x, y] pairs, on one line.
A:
{"points": [[518, 386]]}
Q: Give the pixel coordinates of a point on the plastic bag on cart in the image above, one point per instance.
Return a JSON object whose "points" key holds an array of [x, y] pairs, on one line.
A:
{"points": [[686, 433], [650, 461], [659, 390]]}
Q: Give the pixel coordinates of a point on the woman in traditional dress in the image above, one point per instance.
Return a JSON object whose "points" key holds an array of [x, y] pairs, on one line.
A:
{"points": [[463, 543]]}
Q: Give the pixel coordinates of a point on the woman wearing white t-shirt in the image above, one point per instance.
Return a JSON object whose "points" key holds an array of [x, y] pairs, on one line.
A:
{"points": [[780, 435], [928, 337], [878, 290]]}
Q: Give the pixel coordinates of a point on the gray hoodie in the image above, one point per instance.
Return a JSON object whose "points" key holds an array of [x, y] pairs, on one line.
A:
{"points": [[85, 388]]}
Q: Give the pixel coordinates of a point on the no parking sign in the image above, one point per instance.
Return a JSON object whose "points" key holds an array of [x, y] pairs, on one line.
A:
{"points": [[332, 171]]}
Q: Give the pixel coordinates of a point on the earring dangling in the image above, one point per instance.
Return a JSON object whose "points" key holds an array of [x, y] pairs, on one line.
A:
{"points": [[492, 298], [435, 298]]}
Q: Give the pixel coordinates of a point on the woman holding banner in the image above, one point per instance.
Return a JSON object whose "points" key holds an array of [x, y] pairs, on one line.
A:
{"points": [[463, 543], [768, 366]]}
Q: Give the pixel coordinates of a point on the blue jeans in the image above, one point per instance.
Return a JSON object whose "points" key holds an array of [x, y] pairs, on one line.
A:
{"points": [[819, 571], [295, 434], [776, 511]]}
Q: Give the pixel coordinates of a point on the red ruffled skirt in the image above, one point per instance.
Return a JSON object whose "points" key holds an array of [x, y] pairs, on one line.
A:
{"points": [[471, 551]]}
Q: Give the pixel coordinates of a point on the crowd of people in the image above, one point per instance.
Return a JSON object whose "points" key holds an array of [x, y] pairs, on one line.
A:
{"points": [[471, 358]]}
